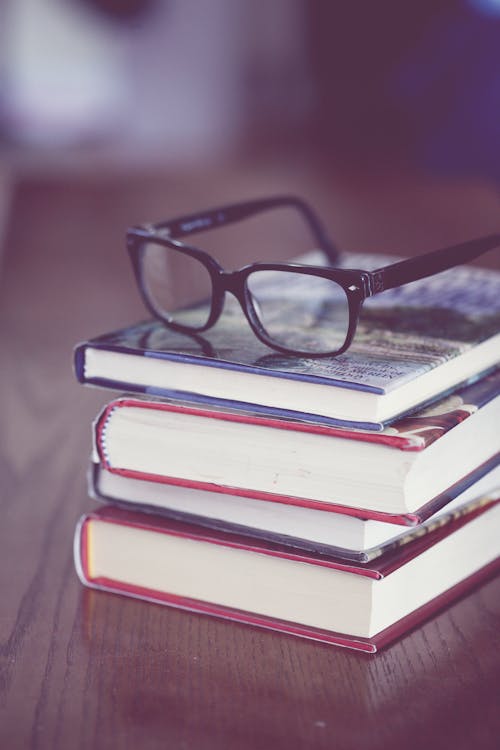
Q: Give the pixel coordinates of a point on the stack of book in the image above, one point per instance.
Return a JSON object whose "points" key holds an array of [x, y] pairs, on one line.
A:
{"points": [[342, 499]]}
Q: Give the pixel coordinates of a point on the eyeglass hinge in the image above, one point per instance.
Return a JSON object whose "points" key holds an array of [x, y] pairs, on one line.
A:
{"points": [[150, 230], [144, 231], [374, 283]]}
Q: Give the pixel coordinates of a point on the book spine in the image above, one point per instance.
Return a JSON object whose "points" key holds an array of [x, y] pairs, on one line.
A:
{"points": [[80, 547]]}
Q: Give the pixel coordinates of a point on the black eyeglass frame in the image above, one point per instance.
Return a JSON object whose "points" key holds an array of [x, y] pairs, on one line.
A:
{"points": [[357, 284]]}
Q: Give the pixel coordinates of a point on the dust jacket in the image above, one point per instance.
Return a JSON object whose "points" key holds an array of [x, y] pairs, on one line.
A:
{"points": [[413, 344]]}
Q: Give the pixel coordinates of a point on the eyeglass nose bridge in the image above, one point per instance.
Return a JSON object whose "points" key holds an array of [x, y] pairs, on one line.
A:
{"points": [[234, 283]]}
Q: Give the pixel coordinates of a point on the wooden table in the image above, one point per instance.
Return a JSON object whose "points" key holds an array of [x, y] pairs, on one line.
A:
{"points": [[82, 669]]}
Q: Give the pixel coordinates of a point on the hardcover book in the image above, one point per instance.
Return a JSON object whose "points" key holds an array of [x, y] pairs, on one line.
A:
{"points": [[358, 606], [402, 475], [413, 344], [337, 534]]}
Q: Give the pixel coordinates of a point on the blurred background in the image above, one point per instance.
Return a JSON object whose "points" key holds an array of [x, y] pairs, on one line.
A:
{"points": [[385, 115], [175, 82]]}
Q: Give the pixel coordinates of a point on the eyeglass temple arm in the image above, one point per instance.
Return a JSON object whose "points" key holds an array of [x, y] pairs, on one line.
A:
{"points": [[219, 217], [431, 263]]}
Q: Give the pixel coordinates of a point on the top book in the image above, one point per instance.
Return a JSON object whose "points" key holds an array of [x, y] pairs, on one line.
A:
{"points": [[413, 344]]}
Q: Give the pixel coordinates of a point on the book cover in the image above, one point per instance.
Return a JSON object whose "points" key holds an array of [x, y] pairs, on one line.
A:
{"points": [[441, 331], [376, 572]]}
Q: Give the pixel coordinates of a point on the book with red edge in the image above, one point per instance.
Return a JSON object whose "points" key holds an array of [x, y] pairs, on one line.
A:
{"points": [[402, 475], [337, 534], [323, 598]]}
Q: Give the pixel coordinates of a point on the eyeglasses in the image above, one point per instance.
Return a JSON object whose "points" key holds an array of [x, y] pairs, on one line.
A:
{"points": [[292, 308]]}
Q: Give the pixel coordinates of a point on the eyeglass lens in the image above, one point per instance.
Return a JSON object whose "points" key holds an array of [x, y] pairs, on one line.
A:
{"points": [[178, 286], [299, 311]]}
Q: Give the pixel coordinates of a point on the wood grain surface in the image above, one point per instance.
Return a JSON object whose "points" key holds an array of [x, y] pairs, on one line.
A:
{"points": [[83, 669]]}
